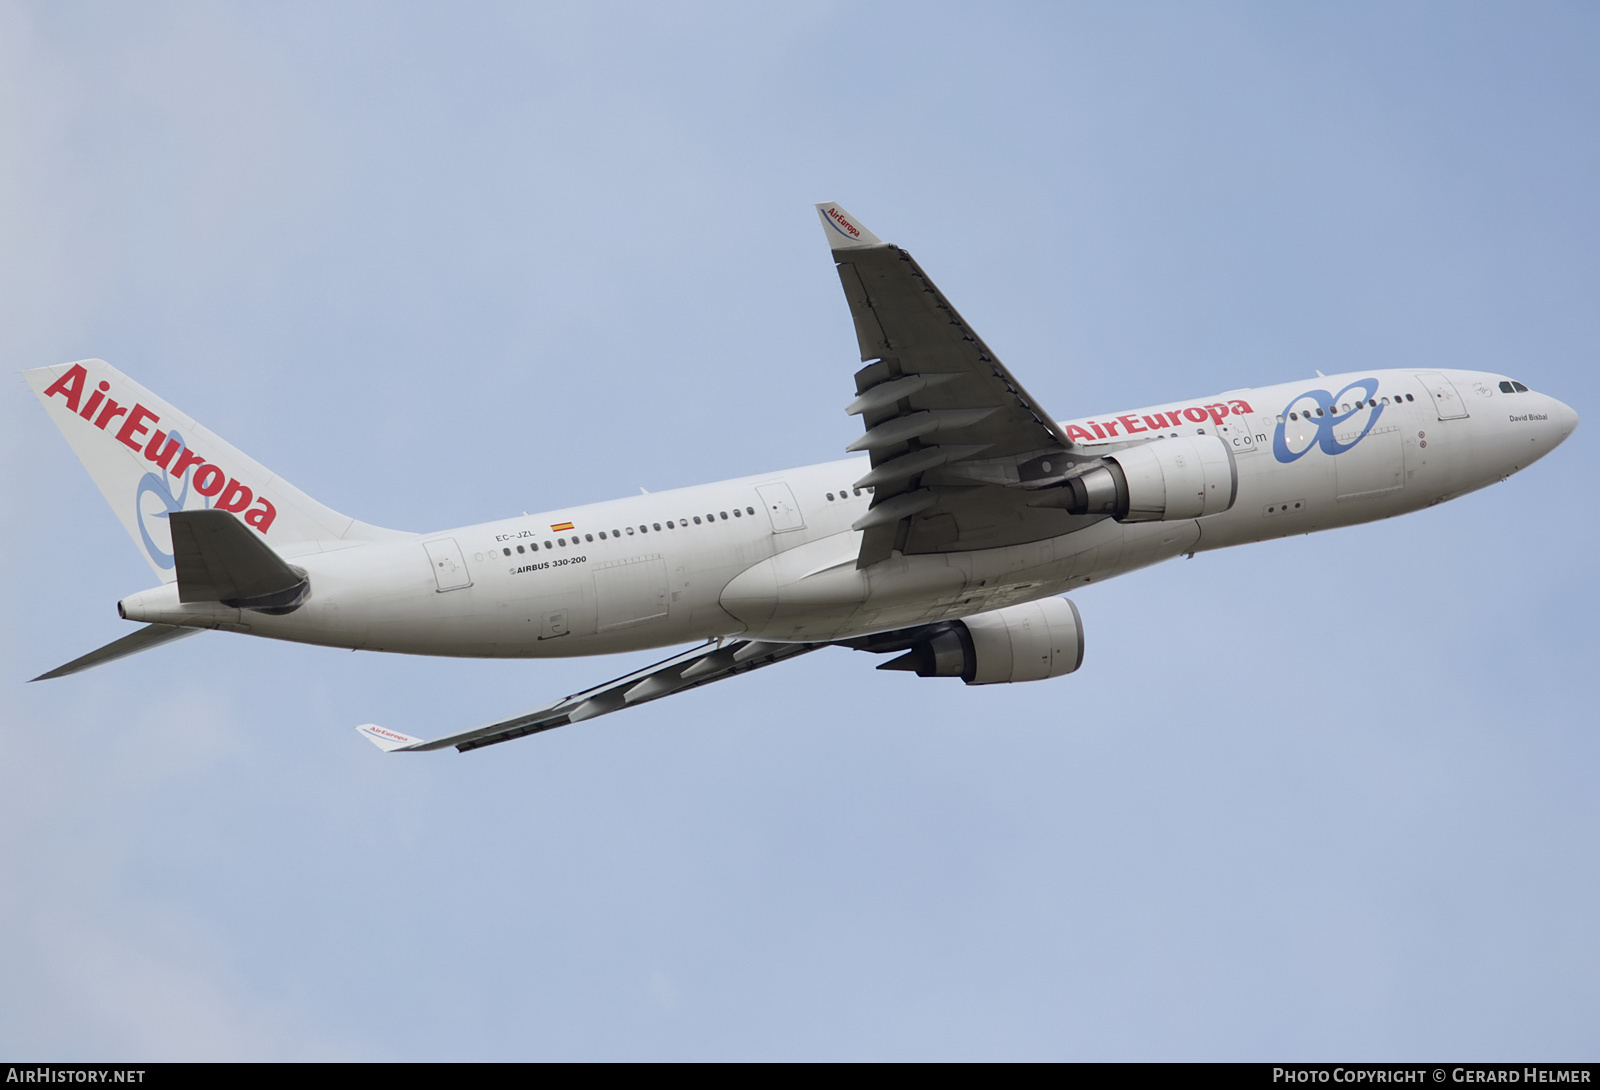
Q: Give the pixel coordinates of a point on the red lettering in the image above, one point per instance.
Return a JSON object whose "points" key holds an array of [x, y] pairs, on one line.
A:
{"points": [[1157, 421], [133, 428], [1240, 407], [209, 479], [1080, 434], [1131, 425], [69, 385], [185, 460], [236, 497], [261, 517], [1111, 427], [1198, 416], [109, 413], [166, 455], [1219, 412], [1099, 433], [94, 401]]}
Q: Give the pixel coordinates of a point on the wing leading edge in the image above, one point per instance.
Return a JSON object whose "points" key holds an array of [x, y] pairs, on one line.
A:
{"points": [[712, 661], [957, 444]]}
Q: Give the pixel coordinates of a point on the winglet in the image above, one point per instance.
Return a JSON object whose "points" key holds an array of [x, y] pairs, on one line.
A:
{"points": [[844, 231], [386, 739]]}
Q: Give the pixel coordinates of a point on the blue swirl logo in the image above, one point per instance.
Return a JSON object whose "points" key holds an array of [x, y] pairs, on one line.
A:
{"points": [[1318, 413], [156, 484]]}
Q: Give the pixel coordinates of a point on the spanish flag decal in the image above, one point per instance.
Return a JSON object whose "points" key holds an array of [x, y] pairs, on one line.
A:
{"points": [[560, 526]]}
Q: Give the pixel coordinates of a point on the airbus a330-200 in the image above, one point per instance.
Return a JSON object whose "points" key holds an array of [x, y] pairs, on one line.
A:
{"points": [[947, 539]]}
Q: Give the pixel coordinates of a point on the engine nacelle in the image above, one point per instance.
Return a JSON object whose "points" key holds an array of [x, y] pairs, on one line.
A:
{"points": [[1027, 642], [1182, 478]]}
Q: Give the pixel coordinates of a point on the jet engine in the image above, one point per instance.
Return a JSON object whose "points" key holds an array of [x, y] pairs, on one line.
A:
{"points": [[1027, 642], [1182, 478]]}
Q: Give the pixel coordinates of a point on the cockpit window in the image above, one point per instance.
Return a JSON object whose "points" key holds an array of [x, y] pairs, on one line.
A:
{"points": [[1505, 388], [1519, 387]]}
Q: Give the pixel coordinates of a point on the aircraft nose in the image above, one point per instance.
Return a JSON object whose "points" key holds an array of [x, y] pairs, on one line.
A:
{"points": [[1566, 416]]}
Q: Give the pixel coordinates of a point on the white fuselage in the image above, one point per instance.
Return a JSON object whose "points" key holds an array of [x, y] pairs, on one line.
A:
{"points": [[773, 556]]}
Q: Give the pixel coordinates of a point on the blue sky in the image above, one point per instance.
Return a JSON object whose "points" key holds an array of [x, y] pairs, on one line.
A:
{"points": [[1320, 798]]}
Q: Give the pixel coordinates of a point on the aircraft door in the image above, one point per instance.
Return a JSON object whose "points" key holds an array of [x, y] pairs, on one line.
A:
{"points": [[449, 566], [1445, 398], [781, 508], [1239, 432]]}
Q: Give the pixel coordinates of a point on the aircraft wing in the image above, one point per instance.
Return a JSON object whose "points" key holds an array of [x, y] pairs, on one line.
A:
{"points": [[957, 444], [712, 661]]}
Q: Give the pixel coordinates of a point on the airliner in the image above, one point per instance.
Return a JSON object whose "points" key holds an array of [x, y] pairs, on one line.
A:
{"points": [[946, 540]]}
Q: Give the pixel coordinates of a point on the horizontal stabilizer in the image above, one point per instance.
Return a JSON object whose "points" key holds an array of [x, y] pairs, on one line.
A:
{"points": [[151, 635], [219, 559]]}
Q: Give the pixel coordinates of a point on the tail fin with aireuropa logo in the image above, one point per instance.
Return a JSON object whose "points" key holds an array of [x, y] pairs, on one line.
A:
{"points": [[149, 460]]}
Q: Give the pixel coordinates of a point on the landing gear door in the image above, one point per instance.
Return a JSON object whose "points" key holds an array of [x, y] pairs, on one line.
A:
{"points": [[449, 566], [1444, 395], [781, 508]]}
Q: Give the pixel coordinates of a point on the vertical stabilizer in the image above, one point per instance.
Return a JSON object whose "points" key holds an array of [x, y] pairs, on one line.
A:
{"points": [[149, 460]]}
